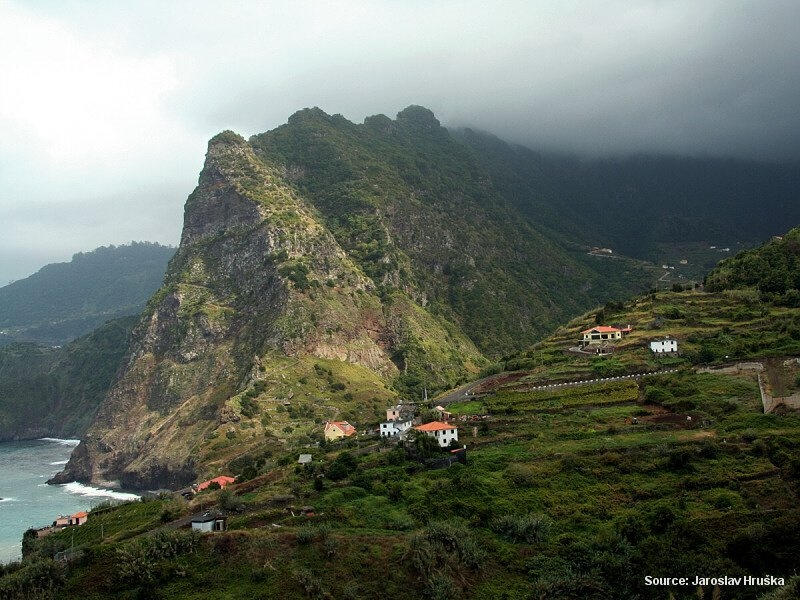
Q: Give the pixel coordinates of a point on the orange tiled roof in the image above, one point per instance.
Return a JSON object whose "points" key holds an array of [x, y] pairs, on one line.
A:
{"points": [[346, 428], [222, 480], [435, 426], [601, 329]]}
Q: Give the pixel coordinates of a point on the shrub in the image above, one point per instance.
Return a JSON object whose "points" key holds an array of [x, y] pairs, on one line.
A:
{"points": [[529, 528], [305, 536]]}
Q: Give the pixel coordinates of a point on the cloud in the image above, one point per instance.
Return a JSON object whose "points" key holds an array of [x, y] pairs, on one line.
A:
{"points": [[106, 107]]}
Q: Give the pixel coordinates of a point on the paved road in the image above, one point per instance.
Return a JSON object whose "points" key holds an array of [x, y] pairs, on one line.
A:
{"points": [[462, 393]]}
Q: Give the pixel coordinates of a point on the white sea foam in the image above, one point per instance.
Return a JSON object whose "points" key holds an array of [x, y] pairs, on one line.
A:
{"points": [[62, 442], [6, 499], [80, 489], [59, 462]]}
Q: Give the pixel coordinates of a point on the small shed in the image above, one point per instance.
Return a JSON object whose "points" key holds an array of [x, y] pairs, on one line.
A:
{"points": [[209, 522], [61, 521], [79, 518], [304, 459]]}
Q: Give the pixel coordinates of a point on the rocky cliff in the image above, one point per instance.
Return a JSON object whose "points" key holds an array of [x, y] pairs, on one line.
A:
{"points": [[257, 280], [324, 268]]}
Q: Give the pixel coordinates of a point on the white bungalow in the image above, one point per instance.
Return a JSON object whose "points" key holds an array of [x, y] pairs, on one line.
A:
{"points": [[665, 346], [209, 522]]}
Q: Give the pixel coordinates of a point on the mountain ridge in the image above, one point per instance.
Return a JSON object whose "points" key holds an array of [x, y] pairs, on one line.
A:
{"points": [[344, 264], [63, 301]]}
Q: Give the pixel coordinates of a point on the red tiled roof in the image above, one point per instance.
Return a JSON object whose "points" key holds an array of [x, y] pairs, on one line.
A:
{"points": [[601, 329], [80, 515], [435, 426], [222, 480], [346, 428]]}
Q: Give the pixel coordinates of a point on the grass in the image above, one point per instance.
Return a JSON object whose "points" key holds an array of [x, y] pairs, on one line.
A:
{"points": [[623, 478]]}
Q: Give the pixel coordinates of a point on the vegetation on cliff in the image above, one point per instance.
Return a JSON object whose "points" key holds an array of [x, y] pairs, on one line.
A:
{"points": [[63, 301], [55, 392], [384, 248]]}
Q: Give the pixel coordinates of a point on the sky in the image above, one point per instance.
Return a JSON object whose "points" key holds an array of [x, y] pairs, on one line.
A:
{"points": [[106, 108]]}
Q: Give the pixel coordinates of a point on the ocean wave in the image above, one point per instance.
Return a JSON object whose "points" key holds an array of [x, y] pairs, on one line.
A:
{"points": [[59, 462], [60, 441], [80, 489]]}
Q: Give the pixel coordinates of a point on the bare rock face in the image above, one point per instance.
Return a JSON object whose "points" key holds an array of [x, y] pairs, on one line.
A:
{"points": [[237, 289]]}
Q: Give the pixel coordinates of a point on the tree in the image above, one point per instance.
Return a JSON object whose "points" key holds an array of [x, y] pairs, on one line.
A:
{"points": [[425, 446]]}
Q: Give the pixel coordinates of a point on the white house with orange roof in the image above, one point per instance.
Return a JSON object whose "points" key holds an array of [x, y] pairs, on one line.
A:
{"points": [[600, 334], [335, 430], [222, 481], [442, 432], [79, 518]]}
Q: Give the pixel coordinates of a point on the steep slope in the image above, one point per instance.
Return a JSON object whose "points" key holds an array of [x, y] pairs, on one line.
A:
{"points": [[257, 280], [63, 301], [55, 392], [773, 269], [389, 250], [418, 212], [638, 203]]}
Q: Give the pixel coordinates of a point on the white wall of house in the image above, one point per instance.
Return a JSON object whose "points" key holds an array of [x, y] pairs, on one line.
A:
{"points": [[444, 436], [203, 525], [394, 428], [664, 346]]}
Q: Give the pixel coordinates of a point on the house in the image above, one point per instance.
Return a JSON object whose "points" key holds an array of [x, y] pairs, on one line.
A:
{"points": [[400, 412], [600, 334], [79, 518], [444, 433], [443, 413], [394, 428], [304, 459], [209, 521], [61, 521], [665, 346], [335, 430], [222, 481]]}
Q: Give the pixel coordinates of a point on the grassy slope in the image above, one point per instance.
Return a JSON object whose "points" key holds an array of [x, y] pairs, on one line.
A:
{"points": [[617, 499]]}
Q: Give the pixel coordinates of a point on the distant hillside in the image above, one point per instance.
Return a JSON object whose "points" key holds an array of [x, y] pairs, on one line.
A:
{"points": [[65, 300], [55, 392], [635, 205], [773, 269]]}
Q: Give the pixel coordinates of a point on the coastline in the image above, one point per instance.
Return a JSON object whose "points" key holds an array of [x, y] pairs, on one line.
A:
{"points": [[29, 502]]}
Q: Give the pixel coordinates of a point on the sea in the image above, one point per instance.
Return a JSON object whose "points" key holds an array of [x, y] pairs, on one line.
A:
{"points": [[27, 501]]}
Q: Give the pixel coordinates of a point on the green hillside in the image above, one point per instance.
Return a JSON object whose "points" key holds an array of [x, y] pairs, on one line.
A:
{"points": [[643, 206], [419, 212], [55, 392], [63, 301], [657, 467]]}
